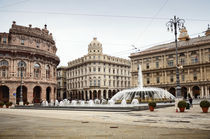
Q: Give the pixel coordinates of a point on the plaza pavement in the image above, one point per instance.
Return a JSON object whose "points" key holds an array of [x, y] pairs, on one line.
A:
{"points": [[162, 123]]}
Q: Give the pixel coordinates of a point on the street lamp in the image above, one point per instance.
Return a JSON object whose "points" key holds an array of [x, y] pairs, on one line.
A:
{"points": [[172, 25], [21, 84]]}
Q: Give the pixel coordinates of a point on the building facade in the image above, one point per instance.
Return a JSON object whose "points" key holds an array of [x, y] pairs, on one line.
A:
{"points": [[159, 65], [96, 75], [61, 81], [28, 59]]}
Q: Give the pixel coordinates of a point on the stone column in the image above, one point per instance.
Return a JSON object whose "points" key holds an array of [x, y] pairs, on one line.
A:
{"points": [[30, 96], [206, 92], [188, 75], [88, 95], [165, 77], [205, 74], [202, 92], [43, 93], [12, 89], [189, 91]]}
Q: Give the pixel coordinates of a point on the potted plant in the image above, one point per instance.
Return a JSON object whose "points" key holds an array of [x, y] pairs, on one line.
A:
{"points": [[7, 104], [205, 104], [152, 105], [182, 105], [1, 104], [27, 103], [10, 103]]}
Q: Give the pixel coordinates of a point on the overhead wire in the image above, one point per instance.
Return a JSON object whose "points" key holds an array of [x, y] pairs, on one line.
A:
{"points": [[12, 4], [95, 15], [150, 23]]}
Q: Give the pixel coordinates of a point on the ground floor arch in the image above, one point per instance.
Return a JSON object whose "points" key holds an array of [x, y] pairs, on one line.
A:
{"points": [[196, 91], [172, 90], [184, 92], [37, 94], [104, 94], [99, 94], [4, 93]]}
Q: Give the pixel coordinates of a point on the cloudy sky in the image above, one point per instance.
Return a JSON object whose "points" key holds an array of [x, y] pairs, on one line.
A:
{"points": [[118, 24]]}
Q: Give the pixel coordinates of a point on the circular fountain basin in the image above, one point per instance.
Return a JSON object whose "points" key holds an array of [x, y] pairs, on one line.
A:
{"points": [[143, 94]]}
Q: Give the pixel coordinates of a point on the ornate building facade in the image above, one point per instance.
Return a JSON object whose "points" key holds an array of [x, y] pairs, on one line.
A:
{"points": [[96, 75], [61, 80], [29, 53], [159, 65]]}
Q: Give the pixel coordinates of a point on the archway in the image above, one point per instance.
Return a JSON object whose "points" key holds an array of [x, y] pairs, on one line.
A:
{"points": [[90, 95], [94, 94], [184, 92], [104, 94], [114, 92], [172, 90], [86, 95], [99, 94], [64, 95], [82, 95], [48, 91], [109, 94], [4, 94], [196, 91], [24, 94], [37, 94]]}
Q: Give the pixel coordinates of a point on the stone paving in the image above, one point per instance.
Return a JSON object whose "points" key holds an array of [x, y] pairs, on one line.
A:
{"points": [[85, 124]]}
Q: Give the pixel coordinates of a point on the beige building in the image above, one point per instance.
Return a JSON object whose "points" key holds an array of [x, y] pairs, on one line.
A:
{"points": [[159, 65], [61, 81], [96, 75], [32, 52]]}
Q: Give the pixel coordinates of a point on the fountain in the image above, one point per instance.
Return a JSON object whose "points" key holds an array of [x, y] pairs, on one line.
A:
{"points": [[129, 99], [143, 94]]}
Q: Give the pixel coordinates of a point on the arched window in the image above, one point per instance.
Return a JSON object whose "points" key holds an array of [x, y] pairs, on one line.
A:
{"points": [[21, 68], [47, 68], [4, 66], [37, 70]]}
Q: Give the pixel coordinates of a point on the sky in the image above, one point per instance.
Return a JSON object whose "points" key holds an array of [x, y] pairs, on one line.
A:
{"points": [[120, 25]]}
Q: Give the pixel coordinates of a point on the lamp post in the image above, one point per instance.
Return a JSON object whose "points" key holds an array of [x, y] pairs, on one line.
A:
{"points": [[21, 84], [172, 25]]}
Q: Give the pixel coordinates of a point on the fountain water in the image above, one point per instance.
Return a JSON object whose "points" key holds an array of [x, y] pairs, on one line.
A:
{"points": [[143, 94]]}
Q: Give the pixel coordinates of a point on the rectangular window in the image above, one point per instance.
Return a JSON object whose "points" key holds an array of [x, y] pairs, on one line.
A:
{"points": [[104, 83], [195, 76], [158, 79], [99, 69], [194, 60], [22, 42], [99, 83], [182, 61], [170, 63], [183, 77], [157, 64], [147, 66], [148, 81], [4, 40], [171, 78]]}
